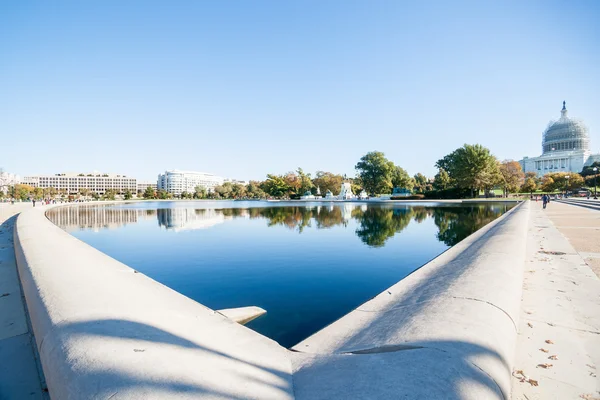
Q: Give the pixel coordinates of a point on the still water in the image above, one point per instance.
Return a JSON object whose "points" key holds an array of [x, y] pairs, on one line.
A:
{"points": [[307, 264]]}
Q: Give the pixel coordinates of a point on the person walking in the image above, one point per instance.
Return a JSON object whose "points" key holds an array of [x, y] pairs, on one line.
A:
{"points": [[545, 200]]}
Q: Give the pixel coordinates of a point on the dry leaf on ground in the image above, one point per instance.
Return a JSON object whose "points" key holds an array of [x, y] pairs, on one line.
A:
{"points": [[544, 350], [549, 341], [554, 357], [533, 382], [545, 366], [529, 325]]}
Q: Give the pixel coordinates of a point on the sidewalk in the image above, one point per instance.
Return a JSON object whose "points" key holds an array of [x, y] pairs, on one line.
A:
{"points": [[581, 226], [558, 347], [19, 376]]}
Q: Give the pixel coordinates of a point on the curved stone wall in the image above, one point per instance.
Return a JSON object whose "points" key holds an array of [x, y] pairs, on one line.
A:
{"points": [[104, 331]]}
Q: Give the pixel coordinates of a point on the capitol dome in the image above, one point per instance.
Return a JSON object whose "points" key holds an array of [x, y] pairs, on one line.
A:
{"points": [[565, 134]]}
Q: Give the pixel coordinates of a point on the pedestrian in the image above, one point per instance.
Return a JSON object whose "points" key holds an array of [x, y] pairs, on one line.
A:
{"points": [[545, 199], [33, 200]]}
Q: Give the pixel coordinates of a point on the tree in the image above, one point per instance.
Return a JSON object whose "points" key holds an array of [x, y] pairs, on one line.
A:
{"points": [[238, 191], [37, 193], [441, 181], [84, 192], [472, 167], [95, 196], [128, 195], [375, 173], [254, 191], [21, 191], [275, 186], [528, 186], [421, 183], [400, 178], [225, 190], [589, 170], [512, 176], [149, 193], [110, 194], [199, 192], [305, 182], [558, 181], [162, 194], [328, 181]]}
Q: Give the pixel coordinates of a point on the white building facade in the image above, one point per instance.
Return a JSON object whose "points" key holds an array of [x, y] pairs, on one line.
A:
{"points": [[177, 182], [565, 148], [142, 186], [74, 183]]}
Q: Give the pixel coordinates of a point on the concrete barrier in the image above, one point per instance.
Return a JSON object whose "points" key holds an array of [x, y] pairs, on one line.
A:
{"points": [[104, 331], [448, 330]]}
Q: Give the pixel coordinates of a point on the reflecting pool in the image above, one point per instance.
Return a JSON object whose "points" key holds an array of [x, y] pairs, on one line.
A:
{"points": [[307, 264]]}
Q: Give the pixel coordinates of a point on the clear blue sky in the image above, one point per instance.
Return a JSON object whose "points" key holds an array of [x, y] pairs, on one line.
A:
{"points": [[243, 88]]}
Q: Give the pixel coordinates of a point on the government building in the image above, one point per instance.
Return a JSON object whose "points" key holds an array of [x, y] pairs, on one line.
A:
{"points": [[72, 183], [177, 182], [565, 148]]}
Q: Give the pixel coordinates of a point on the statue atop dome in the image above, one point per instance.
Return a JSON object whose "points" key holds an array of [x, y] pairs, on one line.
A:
{"points": [[563, 112]]}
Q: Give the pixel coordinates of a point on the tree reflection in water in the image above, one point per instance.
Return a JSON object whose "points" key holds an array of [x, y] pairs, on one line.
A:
{"points": [[376, 223]]}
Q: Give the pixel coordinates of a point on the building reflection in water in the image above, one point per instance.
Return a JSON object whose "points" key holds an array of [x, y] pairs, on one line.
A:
{"points": [[375, 224]]}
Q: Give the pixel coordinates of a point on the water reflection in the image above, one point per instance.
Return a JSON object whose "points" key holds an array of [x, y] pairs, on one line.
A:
{"points": [[375, 223]]}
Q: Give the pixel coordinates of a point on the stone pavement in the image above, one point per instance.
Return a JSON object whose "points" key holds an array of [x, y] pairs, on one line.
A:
{"points": [[581, 226], [558, 348], [19, 370]]}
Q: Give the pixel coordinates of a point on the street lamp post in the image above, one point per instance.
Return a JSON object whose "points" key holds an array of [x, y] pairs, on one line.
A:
{"points": [[595, 190]]}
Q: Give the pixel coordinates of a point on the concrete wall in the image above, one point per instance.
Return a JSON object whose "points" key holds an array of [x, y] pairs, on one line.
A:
{"points": [[105, 331]]}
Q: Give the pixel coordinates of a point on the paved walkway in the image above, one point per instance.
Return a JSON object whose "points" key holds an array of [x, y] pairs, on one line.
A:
{"points": [[558, 349], [19, 371], [581, 226]]}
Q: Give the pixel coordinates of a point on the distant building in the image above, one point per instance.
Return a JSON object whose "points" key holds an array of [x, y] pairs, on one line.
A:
{"points": [[235, 181], [177, 182], [142, 186], [73, 183], [7, 179], [565, 148]]}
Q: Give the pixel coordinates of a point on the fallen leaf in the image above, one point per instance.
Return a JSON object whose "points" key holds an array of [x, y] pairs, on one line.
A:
{"points": [[545, 351], [528, 312], [533, 382], [529, 325], [545, 366], [549, 341], [553, 357]]}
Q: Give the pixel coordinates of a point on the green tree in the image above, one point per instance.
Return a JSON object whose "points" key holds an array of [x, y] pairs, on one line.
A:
{"points": [[95, 196], [254, 191], [37, 193], [421, 183], [328, 181], [400, 178], [128, 195], [441, 181], [375, 173], [199, 192], [275, 186], [110, 194], [589, 170], [162, 194], [149, 193], [472, 167], [238, 191], [512, 176], [305, 181], [225, 190]]}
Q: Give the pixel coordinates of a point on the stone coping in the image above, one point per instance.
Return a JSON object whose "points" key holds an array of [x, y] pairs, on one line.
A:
{"points": [[105, 331]]}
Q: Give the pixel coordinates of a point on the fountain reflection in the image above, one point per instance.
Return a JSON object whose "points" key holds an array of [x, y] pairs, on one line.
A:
{"points": [[375, 224]]}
